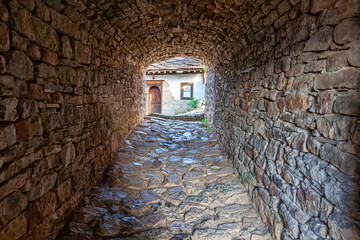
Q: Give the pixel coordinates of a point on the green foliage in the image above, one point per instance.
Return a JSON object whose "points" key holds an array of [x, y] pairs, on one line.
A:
{"points": [[171, 118], [207, 124], [193, 103]]}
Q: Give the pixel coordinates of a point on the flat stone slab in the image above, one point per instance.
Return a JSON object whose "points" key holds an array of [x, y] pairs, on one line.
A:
{"points": [[157, 189]]}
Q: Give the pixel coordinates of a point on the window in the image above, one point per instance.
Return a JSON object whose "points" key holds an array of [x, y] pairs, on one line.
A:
{"points": [[186, 90]]}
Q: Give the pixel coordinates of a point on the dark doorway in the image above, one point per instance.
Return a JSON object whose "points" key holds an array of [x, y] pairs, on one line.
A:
{"points": [[154, 100]]}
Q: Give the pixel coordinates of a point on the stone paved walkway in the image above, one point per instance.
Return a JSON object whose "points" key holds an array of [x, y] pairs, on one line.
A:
{"points": [[169, 181]]}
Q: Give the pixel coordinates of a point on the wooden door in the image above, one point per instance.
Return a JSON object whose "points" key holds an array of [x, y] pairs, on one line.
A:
{"points": [[154, 100]]}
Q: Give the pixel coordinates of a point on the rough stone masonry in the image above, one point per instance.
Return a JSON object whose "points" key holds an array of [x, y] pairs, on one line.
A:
{"points": [[282, 96]]}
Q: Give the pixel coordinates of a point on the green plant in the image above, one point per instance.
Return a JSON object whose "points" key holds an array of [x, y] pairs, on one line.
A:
{"points": [[207, 124], [193, 103], [171, 118]]}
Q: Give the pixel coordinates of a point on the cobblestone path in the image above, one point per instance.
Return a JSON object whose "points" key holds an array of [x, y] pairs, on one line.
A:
{"points": [[168, 181]]}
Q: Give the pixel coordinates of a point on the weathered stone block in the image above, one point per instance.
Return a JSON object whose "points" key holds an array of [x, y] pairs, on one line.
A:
{"points": [[348, 104], [4, 14], [347, 30], [34, 126], [18, 41], [65, 47], [25, 161], [43, 186], [307, 232], [20, 65], [281, 21], [341, 190], [319, 5], [8, 86], [27, 108], [355, 137], [63, 24], [299, 29], [8, 109], [299, 142], [305, 120], [266, 8], [341, 226], [291, 225], [337, 61], [295, 70], [46, 71], [42, 11], [15, 229], [14, 184], [22, 131], [304, 83], [320, 41], [346, 78], [79, 180], [347, 163], [272, 150], [68, 153], [343, 10], [41, 208], [82, 53], [354, 54], [35, 91], [325, 102], [320, 228], [2, 65], [296, 102], [56, 4], [335, 127], [273, 110], [4, 38], [28, 4], [259, 126], [67, 75], [283, 7], [315, 66], [24, 24], [33, 51], [49, 57], [64, 191], [12, 206], [310, 200], [271, 17], [45, 36]]}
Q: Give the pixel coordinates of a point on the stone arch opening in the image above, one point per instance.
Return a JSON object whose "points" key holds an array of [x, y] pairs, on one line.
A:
{"points": [[282, 97], [182, 79]]}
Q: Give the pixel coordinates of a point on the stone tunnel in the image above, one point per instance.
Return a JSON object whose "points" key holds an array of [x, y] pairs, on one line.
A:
{"points": [[282, 96]]}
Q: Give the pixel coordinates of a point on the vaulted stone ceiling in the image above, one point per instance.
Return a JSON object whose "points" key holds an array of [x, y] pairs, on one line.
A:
{"points": [[156, 30], [282, 97]]}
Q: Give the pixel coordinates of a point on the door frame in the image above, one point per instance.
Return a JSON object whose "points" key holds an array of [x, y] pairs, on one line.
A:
{"points": [[153, 83]]}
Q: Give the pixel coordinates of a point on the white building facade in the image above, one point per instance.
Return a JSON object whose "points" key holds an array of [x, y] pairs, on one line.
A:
{"points": [[171, 85]]}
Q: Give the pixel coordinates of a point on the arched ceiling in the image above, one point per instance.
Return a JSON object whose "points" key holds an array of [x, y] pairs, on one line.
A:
{"points": [[155, 30]]}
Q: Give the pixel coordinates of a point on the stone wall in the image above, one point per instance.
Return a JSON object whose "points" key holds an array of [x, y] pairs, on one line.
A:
{"points": [[69, 94], [286, 111]]}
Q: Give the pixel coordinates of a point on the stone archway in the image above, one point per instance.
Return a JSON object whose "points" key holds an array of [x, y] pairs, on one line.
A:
{"points": [[283, 99]]}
